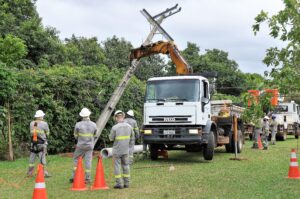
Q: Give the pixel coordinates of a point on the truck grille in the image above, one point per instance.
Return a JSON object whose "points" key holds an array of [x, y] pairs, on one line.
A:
{"points": [[170, 119]]}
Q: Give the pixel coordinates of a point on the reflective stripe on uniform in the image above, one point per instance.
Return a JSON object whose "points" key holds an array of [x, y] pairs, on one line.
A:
{"points": [[136, 128], [126, 175], [118, 176], [124, 137], [39, 131], [86, 134], [31, 165], [88, 171], [40, 185]]}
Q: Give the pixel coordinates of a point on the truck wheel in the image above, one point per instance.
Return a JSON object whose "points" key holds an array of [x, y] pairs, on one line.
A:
{"points": [[208, 149], [153, 152], [281, 137], [250, 136], [231, 145]]}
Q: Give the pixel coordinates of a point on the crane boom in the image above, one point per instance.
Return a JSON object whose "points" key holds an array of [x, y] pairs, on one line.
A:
{"points": [[164, 47]]}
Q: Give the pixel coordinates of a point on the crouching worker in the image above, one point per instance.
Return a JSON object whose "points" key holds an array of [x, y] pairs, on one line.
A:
{"points": [[39, 130], [84, 133], [123, 136]]}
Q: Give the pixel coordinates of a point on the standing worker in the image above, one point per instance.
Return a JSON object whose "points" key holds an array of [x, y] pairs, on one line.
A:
{"points": [[39, 130], [265, 132], [273, 128], [132, 122], [256, 132], [123, 137], [84, 133]]}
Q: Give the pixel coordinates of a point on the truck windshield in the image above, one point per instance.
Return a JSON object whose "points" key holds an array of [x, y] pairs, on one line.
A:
{"points": [[281, 108], [173, 90]]}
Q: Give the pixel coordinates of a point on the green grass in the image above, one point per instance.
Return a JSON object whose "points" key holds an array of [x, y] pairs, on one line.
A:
{"points": [[262, 175]]}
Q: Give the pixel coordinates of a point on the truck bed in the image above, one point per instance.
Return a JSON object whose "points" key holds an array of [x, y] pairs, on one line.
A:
{"points": [[218, 105]]}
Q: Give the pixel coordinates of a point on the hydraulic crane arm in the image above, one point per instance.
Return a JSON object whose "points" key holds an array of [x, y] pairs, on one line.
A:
{"points": [[163, 47]]}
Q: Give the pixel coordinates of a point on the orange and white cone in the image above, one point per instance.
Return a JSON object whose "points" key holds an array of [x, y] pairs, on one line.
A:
{"points": [[40, 186], [294, 169]]}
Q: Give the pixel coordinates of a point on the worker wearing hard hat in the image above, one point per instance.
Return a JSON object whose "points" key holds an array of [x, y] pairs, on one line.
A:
{"points": [[273, 128], [258, 123], [265, 132], [123, 136], [84, 133], [39, 130], [132, 122]]}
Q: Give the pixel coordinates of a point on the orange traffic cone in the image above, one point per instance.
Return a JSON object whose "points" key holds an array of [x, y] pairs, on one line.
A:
{"points": [[294, 170], [79, 183], [260, 146], [99, 182], [40, 186]]}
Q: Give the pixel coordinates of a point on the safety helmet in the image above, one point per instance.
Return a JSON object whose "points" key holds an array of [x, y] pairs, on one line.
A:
{"points": [[266, 117], [85, 112], [119, 112], [39, 113], [130, 113]]}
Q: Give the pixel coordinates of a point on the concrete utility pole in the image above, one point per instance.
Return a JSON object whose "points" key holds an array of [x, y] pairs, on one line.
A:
{"points": [[155, 21]]}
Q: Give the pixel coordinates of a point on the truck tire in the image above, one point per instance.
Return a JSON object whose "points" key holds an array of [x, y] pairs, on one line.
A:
{"points": [[230, 148], [153, 151], [208, 149], [281, 137]]}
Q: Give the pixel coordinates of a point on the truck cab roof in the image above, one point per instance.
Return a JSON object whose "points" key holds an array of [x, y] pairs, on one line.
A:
{"points": [[177, 77]]}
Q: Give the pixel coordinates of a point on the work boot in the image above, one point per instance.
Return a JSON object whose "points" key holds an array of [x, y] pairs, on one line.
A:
{"points": [[118, 186], [88, 181], [46, 174], [273, 142], [255, 146], [30, 171]]}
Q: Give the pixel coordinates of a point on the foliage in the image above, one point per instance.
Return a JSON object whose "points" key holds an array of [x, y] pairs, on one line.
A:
{"points": [[61, 92], [259, 107], [84, 51], [12, 50], [230, 79], [116, 51], [285, 62]]}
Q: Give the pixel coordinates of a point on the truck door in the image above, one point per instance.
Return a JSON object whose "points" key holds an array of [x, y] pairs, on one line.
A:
{"points": [[205, 104]]}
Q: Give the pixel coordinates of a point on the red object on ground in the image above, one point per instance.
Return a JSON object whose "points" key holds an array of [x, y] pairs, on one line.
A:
{"points": [[99, 182], [260, 146], [294, 169]]}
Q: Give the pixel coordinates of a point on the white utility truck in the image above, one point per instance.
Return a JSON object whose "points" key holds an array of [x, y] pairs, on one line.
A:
{"points": [[288, 119], [178, 116]]}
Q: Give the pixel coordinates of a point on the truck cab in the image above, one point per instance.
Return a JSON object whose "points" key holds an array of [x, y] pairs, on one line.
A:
{"points": [[177, 111], [287, 116]]}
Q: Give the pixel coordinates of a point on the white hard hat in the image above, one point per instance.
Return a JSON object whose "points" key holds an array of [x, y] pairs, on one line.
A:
{"points": [[118, 112], [39, 113], [130, 113], [266, 117], [85, 112]]}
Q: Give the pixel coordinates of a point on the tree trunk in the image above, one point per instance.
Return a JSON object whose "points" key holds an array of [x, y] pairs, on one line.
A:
{"points": [[10, 147]]}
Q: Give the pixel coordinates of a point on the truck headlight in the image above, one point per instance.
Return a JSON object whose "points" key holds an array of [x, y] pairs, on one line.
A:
{"points": [[193, 131], [147, 131]]}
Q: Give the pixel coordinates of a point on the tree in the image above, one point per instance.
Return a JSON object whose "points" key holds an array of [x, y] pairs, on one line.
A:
{"points": [[285, 62], [117, 52], [84, 51], [12, 50], [20, 18], [230, 79]]}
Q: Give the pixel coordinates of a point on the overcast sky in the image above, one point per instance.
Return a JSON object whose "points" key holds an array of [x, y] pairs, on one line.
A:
{"points": [[221, 24]]}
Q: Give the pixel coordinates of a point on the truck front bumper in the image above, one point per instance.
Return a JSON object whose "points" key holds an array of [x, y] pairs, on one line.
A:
{"points": [[181, 136]]}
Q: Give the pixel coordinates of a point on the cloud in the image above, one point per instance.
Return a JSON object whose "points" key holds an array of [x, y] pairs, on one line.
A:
{"points": [[222, 24]]}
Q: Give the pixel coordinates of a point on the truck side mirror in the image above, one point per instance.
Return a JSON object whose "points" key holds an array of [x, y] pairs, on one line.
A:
{"points": [[204, 100]]}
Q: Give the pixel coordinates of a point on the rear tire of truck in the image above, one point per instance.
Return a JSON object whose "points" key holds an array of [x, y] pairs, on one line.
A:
{"points": [[281, 137], [208, 149], [230, 148], [153, 151]]}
